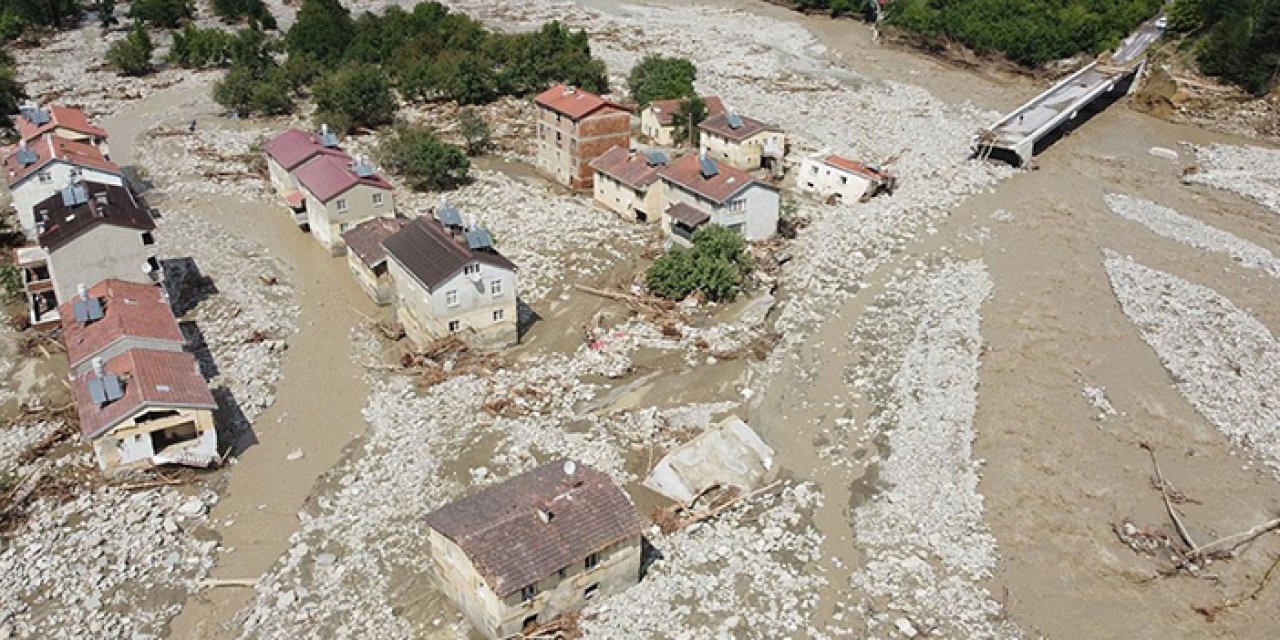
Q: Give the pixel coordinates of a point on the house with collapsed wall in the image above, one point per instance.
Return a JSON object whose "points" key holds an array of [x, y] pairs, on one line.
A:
{"points": [[146, 407], [742, 142], [70, 123], [575, 127], [658, 119], [87, 232], [40, 168], [698, 190], [290, 150], [340, 192], [546, 542], [833, 178], [449, 279], [624, 182], [113, 317], [367, 259]]}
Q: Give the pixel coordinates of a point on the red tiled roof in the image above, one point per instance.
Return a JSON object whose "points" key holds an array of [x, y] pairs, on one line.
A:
{"points": [[575, 103], [365, 239], [728, 182], [294, 147], [510, 543], [429, 252], [64, 117], [328, 176], [150, 379], [719, 125], [295, 199], [51, 147], [633, 171], [854, 167], [129, 310], [666, 109]]}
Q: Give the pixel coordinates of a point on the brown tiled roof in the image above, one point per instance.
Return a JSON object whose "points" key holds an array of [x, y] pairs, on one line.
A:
{"points": [[365, 239], [62, 224], [719, 125], [666, 109], [51, 148], [575, 103], [129, 309], [429, 252], [150, 379], [688, 215], [855, 167], [633, 171], [728, 182], [511, 545], [64, 117]]}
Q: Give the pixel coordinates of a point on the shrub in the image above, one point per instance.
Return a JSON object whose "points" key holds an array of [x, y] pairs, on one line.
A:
{"points": [[357, 95], [659, 78], [475, 131], [196, 48], [715, 267], [426, 161], [248, 90], [236, 10], [162, 13], [132, 55]]}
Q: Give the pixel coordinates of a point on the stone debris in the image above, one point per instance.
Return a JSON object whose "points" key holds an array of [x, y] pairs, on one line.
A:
{"points": [[1097, 397], [1161, 152], [1189, 231], [928, 547], [16, 438], [296, 454], [1253, 172], [1227, 364]]}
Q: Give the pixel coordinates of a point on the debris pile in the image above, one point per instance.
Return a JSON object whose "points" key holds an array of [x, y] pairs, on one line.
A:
{"points": [[1189, 231]]}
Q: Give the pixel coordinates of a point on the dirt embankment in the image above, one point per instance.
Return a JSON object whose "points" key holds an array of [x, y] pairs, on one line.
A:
{"points": [[1173, 90]]}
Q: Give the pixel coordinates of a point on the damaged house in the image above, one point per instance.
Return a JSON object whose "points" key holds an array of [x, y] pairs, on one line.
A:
{"points": [[114, 316], [339, 193], [290, 150], [833, 178], [146, 407], [658, 120], [449, 279], [521, 552]]}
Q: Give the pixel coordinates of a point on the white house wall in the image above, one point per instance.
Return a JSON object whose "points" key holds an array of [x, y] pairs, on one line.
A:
{"points": [[327, 223], [474, 311]]}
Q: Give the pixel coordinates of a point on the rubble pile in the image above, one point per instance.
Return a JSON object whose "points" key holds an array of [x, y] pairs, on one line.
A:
{"points": [[510, 122], [16, 438], [243, 313], [213, 159], [928, 547], [741, 575], [1253, 172], [1227, 364], [1189, 231], [79, 568], [8, 360]]}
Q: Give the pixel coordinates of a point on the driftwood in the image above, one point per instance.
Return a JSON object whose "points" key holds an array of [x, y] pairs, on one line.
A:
{"points": [[228, 582], [679, 516], [650, 306], [1168, 505], [562, 627], [1210, 612], [1232, 542]]}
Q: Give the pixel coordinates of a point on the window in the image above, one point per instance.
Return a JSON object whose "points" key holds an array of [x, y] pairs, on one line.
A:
{"points": [[495, 287], [592, 561], [564, 571], [813, 170], [341, 204], [497, 315], [530, 622], [342, 228], [45, 177], [75, 171], [471, 269], [451, 298], [591, 591], [844, 179], [454, 325], [377, 199], [528, 593], [148, 239]]}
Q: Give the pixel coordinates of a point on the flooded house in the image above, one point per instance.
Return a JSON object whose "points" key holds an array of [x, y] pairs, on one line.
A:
{"points": [[367, 258], [521, 552], [698, 190], [574, 128], [146, 407], [70, 123], [449, 279], [115, 316], [40, 168], [658, 119], [625, 182], [340, 192], [290, 150], [742, 142], [834, 178]]}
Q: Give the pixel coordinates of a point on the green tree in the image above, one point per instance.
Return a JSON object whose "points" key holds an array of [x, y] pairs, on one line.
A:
{"points": [[475, 131], [247, 90], [659, 78], [691, 112], [300, 71], [357, 95], [17, 15], [323, 29], [715, 267], [11, 94], [106, 12], [424, 160], [162, 13], [231, 11], [132, 55]]}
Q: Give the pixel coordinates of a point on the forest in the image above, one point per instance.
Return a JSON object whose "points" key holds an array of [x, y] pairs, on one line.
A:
{"points": [[1237, 41]]}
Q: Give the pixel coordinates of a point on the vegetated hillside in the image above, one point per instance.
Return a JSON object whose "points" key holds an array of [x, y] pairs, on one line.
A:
{"points": [[1235, 40], [1029, 32]]}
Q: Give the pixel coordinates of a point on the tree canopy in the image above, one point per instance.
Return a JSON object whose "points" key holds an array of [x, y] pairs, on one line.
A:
{"points": [[715, 267], [11, 93], [1238, 42], [132, 55], [659, 78], [357, 95], [162, 13], [17, 15], [426, 161]]}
